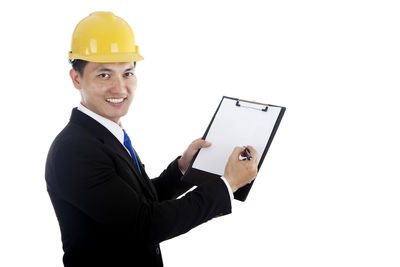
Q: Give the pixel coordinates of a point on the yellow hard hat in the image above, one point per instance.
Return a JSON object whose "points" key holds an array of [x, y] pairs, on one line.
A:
{"points": [[104, 37]]}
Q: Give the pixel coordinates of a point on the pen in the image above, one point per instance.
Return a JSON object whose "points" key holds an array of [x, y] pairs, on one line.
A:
{"points": [[247, 154]]}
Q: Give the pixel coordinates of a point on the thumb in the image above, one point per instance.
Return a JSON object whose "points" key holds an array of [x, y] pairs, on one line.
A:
{"points": [[205, 143], [200, 143]]}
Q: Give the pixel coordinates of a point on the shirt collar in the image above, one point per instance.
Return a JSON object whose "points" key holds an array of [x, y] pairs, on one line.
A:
{"points": [[114, 128]]}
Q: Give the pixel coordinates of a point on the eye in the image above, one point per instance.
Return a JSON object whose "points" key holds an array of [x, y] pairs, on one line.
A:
{"points": [[129, 74], [104, 75]]}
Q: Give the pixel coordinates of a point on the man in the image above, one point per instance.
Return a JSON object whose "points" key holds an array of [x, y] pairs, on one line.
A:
{"points": [[110, 213]]}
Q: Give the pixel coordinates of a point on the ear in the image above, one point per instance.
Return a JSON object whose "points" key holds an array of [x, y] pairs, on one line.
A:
{"points": [[75, 77]]}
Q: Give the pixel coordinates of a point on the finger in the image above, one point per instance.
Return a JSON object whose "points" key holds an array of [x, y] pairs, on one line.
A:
{"points": [[201, 143], [198, 139], [204, 143], [197, 144], [236, 152]]}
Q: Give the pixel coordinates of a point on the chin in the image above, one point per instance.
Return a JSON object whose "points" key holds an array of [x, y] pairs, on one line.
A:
{"points": [[115, 115], [119, 115]]}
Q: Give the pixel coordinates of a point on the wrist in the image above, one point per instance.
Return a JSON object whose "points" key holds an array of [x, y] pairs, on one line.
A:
{"points": [[180, 166], [231, 184], [234, 188]]}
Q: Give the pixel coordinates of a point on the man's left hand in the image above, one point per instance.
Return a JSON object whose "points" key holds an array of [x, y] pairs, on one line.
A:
{"points": [[188, 155]]}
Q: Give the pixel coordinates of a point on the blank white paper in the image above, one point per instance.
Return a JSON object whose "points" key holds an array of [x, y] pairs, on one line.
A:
{"points": [[235, 126]]}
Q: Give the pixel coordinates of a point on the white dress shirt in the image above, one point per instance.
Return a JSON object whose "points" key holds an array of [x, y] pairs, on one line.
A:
{"points": [[116, 130]]}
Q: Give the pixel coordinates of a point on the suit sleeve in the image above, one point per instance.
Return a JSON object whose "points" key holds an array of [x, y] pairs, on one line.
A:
{"points": [[85, 176], [169, 184]]}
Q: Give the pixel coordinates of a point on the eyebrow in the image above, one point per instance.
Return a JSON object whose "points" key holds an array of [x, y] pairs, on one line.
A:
{"points": [[105, 69], [110, 70]]}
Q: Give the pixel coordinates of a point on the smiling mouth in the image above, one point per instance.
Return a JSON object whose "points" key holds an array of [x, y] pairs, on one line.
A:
{"points": [[115, 100]]}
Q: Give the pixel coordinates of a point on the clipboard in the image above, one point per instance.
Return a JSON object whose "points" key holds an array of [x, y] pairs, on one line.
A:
{"points": [[236, 122]]}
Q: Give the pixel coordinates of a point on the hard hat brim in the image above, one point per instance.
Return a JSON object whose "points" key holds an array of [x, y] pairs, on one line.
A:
{"points": [[108, 58]]}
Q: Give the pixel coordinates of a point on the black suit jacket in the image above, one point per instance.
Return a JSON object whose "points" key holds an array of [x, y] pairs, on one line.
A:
{"points": [[110, 214]]}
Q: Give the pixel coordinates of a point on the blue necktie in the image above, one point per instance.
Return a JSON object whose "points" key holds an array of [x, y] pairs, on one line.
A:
{"points": [[128, 145]]}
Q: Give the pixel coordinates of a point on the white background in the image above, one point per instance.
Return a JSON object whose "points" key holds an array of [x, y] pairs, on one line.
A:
{"points": [[328, 191]]}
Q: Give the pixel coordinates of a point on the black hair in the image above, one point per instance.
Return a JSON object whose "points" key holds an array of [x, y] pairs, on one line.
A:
{"points": [[79, 65]]}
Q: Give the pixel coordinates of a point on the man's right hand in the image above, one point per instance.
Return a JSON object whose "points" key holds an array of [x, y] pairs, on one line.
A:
{"points": [[238, 172]]}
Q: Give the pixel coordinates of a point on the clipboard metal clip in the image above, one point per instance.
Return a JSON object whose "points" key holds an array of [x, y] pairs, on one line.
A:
{"points": [[244, 106]]}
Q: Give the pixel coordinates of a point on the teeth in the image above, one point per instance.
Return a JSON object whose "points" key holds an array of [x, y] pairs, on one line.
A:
{"points": [[115, 100]]}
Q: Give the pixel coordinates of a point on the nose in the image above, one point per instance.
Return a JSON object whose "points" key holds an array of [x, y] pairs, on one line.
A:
{"points": [[118, 86]]}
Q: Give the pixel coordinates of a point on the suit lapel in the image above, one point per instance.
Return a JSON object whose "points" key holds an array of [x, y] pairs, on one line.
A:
{"points": [[144, 174], [100, 132], [143, 178]]}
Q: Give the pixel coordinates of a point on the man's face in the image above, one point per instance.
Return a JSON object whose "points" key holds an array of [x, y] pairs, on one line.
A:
{"points": [[106, 88]]}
